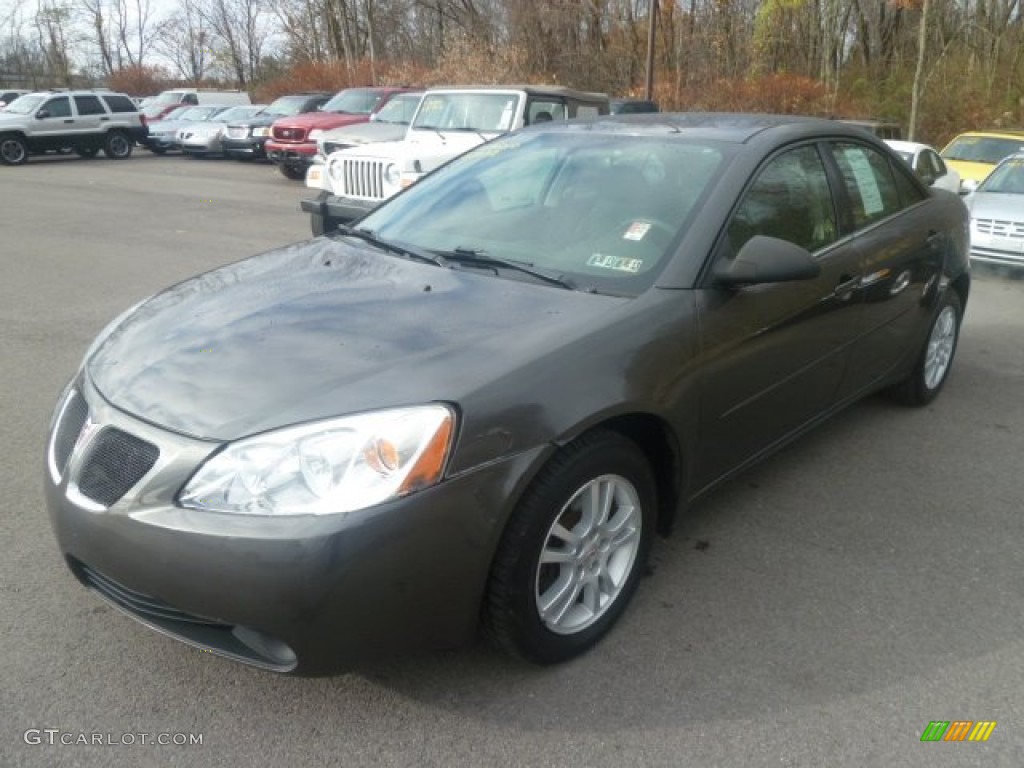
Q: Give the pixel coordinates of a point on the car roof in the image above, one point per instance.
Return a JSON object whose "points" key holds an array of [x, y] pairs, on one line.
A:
{"points": [[993, 134], [731, 127], [535, 90], [907, 146]]}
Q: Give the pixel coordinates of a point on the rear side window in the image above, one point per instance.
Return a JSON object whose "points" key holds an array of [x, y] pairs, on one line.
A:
{"points": [[89, 105], [869, 182], [118, 103]]}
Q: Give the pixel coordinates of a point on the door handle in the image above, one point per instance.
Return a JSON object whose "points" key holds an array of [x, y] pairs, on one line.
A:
{"points": [[104, 119], [846, 286], [934, 239], [69, 121]]}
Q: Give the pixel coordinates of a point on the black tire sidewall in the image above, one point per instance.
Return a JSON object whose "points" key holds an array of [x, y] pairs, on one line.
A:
{"points": [[113, 137], [24, 150], [600, 454], [924, 394]]}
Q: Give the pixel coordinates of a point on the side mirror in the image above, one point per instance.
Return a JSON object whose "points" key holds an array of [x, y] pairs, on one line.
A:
{"points": [[42, 113], [766, 260]]}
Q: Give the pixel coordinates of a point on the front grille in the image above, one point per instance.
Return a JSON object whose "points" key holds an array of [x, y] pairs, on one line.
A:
{"points": [[289, 134], [71, 423], [1000, 228], [115, 461], [236, 132], [363, 178], [135, 602]]}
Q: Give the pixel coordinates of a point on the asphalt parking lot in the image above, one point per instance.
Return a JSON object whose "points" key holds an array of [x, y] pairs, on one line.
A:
{"points": [[821, 610]]}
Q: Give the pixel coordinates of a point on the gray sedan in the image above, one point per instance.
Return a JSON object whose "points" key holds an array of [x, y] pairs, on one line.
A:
{"points": [[478, 406], [203, 138]]}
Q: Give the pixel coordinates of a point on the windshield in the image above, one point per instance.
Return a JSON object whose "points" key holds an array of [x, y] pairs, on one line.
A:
{"points": [[483, 112], [286, 106], [603, 212], [26, 104], [193, 114], [239, 113], [1007, 178], [399, 109], [356, 101], [982, 149]]}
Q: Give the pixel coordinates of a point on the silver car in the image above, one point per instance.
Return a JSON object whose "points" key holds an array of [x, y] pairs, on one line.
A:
{"points": [[997, 215], [203, 138], [163, 134]]}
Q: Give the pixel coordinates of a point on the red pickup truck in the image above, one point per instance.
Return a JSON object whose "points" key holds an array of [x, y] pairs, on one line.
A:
{"points": [[292, 143]]}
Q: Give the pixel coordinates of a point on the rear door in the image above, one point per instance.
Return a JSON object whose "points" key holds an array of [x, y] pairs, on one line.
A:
{"points": [[89, 122], [775, 354], [894, 226]]}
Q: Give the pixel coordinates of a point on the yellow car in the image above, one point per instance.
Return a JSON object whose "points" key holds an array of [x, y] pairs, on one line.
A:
{"points": [[974, 154]]}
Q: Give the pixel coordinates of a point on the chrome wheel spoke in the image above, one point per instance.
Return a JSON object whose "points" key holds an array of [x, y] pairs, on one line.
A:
{"points": [[588, 554]]}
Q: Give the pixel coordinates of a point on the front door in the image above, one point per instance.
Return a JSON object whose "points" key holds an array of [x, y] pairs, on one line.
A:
{"points": [[775, 354]]}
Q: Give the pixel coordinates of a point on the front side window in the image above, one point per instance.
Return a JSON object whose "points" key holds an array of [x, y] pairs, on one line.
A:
{"points": [[791, 200], [869, 180], [1008, 178], [544, 110], [59, 107]]}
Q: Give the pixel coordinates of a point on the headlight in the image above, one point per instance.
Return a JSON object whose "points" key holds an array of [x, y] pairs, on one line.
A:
{"points": [[316, 133], [327, 467], [336, 171], [392, 175], [263, 131]]}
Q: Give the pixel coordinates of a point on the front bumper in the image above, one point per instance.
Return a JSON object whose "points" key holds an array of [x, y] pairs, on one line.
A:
{"points": [[160, 141], [304, 595], [249, 147], [338, 209], [299, 155], [1002, 250]]}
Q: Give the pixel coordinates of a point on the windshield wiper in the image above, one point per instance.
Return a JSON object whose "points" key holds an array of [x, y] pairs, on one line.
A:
{"points": [[480, 258], [369, 236]]}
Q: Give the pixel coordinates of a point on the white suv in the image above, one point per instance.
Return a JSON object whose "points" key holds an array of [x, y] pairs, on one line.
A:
{"points": [[447, 123], [85, 121]]}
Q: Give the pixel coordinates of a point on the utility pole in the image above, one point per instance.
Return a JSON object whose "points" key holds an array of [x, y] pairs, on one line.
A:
{"points": [[651, 21]]}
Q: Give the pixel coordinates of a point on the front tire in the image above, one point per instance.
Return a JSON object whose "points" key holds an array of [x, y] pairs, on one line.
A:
{"points": [[13, 150], [574, 550], [293, 172], [936, 358], [117, 146]]}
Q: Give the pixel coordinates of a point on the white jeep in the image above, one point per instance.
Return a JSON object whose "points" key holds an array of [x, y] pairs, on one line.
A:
{"points": [[448, 122]]}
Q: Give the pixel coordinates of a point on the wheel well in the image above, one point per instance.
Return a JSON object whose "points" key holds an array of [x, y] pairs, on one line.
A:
{"points": [[962, 285], [655, 439]]}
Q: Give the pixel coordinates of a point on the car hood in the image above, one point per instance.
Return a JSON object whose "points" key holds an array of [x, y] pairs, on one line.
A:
{"points": [[324, 328], [996, 205], [970, 171], [324, 120], [366, 133]]}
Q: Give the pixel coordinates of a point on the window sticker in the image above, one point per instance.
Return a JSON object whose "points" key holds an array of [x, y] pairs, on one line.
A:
{"points": [[618, 263], [870, 194], [637, 230]]}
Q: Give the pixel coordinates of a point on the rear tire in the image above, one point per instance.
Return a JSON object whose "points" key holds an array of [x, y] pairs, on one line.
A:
{"points": [[117, 146], [932, 366], [573, 551], [13, 150]]}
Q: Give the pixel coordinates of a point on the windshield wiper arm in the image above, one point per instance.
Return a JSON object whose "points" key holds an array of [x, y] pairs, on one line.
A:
{"points": [[369, 236], [478, 257]]}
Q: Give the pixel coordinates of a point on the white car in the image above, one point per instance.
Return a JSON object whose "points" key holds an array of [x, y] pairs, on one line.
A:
{"points": [[997, 215], [927, 163]]}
